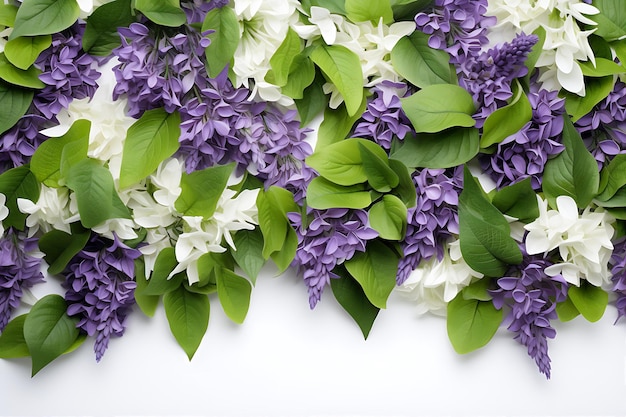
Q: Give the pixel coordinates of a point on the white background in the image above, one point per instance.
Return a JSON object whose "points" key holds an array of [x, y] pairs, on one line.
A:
{"points": [[287, 360]]}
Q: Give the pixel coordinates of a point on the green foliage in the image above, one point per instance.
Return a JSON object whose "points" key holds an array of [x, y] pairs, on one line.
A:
{"points": [[421, 64], [283, 58], [101, 35], [28, 78], [301, 75], [23, 51], [314, 103], [405, 189], [12, 342], [369, 10], [337, 124], [44, 17], [159, 283], [518, 200], [589, 300], [352, 298], [278, 236], [407, 9], [486, 243], [596, 90], [7, 14], [201, 190], [17, 183], [188, 316], [379, 174], [224, 40], [471, 323], [603, 67], [60, 247], [574, 172], [14, 102], [507, 120], [611, 19], [324, 194], [612, 178], [535, 52], [249, 253], [234, 294], [566, 310], [162, 12], [147, 303], [388, 217]]}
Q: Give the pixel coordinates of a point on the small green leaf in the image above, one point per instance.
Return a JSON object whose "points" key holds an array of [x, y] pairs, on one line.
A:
{"points": [[12, 342], [337, 124], [285, 256], [234, 294], [159, 283], [612, 177], [603, 67], [17, 183], [101, 35], [188, 317], [301, 75], [471, 323], [407, 9], [23, 51], [507, 120], [440, 106], [15, 102], [162, 12], [283, 58], [323, 194], [149, 141], [60, 248], [249, 252], [611, 19], [224, 40], [23, 78], [49, 331], [44, 17], [421, 64], [147, 303], [273, 206], [596, 90], [589, 300], [566, 310], [201, 190], [352, 298], [314, 101], [518, 200], [375, 270], [372, 11], [388, 217], [535, 52], [405, 190], [376, 166], [478, 290]]}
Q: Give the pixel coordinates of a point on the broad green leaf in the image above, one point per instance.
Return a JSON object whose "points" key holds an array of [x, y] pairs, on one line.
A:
{"points": [[285, 256], [273, 206], [249, 252], [7, 15], [147, 303], [14, 102], [535, 52], [234, 294], [44, 17], [507, 120], [101, 35], [518, 200], [224, 40], [60, 248], [95, 193], [596, 90], [388, 217], [369, 10], [566, 310], [611, 19], [283, 58], [352, 298], [421, 64], [23, 78], [343, 68], [201, 190], [438, 107], [337, 124], [478, 290], [612, 177], [379, 174], [405, 190], [188, 317], [471, 323], [407, 9], [17, 183], [589, 300], [49, 331], [486, 243], [314, 102], [46, 161], [159, 284], [450, 148], [12, 342], [23, 51], [602, 68], [574, 172], [149, 141], [323, 194], [162, 12], [375, 270], [301, 75]]}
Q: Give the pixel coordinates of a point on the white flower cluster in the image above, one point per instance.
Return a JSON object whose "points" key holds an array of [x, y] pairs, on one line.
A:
{"points": [[565, 42], [583, 241]]}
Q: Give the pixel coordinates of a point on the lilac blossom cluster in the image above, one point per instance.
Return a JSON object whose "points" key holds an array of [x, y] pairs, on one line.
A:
{"points": [[196, 10], [100, 289], [603, 129], [618, 276], [531, 296], [66, 71], [434, 218], [525, 153], [19, 270], [326, 239]]}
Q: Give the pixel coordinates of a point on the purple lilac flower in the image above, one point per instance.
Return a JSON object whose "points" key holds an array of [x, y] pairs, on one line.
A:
{"points": [[100, 289], [525, 153], [457, 26], [196, 10], [331, 237], [384, 118], [433, 219], [618, 272], [19, 270], [604, 128], [532, 297]]}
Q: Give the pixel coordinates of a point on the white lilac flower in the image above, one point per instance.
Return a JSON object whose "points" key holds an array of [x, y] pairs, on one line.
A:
{"points": [[53, 210], [435, 282], [583, 240], [167, 181], [4, 211]]}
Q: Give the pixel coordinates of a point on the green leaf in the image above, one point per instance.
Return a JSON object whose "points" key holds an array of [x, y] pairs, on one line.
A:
{"points": [[17, 183], [224, 40], [507, 120], [372, 11], [60, 248], [612, 177], [438, 107], [44, 17], [95, 193], [162, 12], [388, 217], [24, 78], [49, 331], [343, 68], [574, 172], [333, 6], [15, 102], [486, 243], [535, 52], [323, 194], [566, 310], [447, 149], [421, 64], [159, 284], [518, 200], [283, 58], [376, 165], [589, 300], [407, 9], [101, 35], [147, 303], [478, 290], [301, 75], [23, 51], [234, 294], [405, 190], [283, 257], [375, 270], [273, 206], [471, 323], [188, 317], [619, 47], [313, 103], [611, 19], [201, 190], [596, 90], [7, 15], [352, 298], [249, 252], [337, 124], [149, 141], [603, 67], [46, 161], [12, 342]]}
